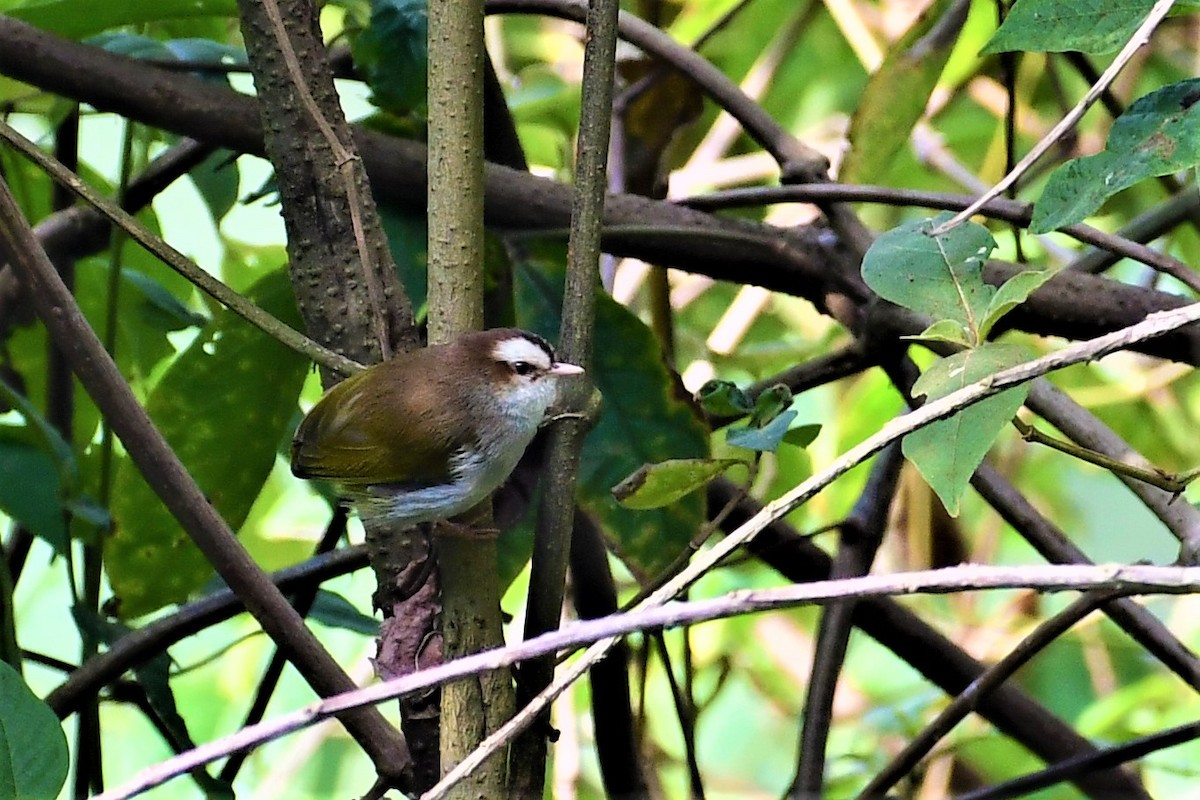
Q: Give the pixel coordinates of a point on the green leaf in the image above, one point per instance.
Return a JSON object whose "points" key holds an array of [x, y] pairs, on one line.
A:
{"points": [[218, 180], [45, 434], [407, 235], [131, 45], [898, 92], [223, 405], [941, 276], [33, 748], [658, 485], [207, 51], [30, 491], [1157, 135], [147, 312], [645, 419], [802, 435], [764, 439], [1057, 26], [393, 56], [724, 399], [948, 451], [1011, 294], [945, 330], [331, 609], [80, 18], [159, 307]]}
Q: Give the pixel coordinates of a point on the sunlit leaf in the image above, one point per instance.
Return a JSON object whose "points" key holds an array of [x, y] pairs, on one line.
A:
{"points": [[79, 18], [948, 451], [658, 485], [1012, 293], [941, 276], [898, 92], [1057, 26], [945, 330]]}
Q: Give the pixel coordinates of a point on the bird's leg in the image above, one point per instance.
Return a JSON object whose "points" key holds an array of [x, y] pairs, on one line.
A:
{"points": [[474, 524]]}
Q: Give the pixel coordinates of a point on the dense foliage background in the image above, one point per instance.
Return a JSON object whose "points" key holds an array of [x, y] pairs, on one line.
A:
{"points": [[920, 106]]}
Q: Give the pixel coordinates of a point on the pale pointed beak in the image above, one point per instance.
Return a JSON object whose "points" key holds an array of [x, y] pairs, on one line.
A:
{"points": [[559, 368]]}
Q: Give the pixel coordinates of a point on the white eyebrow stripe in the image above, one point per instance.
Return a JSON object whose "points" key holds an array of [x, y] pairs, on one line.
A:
{"points": [[518, 348]]}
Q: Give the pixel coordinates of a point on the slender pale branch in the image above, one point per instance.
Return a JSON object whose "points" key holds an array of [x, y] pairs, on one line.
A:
{"points": [[1154, 325], [1126, 579]]}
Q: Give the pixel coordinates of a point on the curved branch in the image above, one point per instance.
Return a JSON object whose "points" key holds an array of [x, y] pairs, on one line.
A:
{"points": [[1014, 211]]}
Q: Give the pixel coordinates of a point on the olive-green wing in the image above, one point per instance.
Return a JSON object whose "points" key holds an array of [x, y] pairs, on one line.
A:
{"points": [[369, 430]]}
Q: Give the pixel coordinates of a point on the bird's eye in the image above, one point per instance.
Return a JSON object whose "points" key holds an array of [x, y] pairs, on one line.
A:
{"points": [[523, 368]]}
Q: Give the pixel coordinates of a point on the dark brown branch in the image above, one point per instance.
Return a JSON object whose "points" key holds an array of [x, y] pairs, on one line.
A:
{"points": [[139, 646], [795, 261]]}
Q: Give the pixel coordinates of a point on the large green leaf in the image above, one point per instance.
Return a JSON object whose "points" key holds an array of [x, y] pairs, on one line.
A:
{"points": [[146, 313], [643, 421], [897, 93], [79, 18], [1056, 26], [1157, 135], [33, 749], [223, 405], [941, 276], [948, 451], [661, 484]]}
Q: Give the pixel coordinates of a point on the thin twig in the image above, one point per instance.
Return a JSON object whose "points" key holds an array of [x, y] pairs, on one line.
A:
{"points": [[553, 528], [177, 261], [924, 742], [1168, 482], [1087, 763]]}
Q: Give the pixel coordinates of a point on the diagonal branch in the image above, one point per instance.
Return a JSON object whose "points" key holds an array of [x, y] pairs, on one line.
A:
{"points": [[1154, 325], [171, 482]]}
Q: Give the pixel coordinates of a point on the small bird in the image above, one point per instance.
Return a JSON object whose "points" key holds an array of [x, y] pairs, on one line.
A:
{"points": [[429, 434]]}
